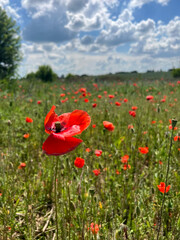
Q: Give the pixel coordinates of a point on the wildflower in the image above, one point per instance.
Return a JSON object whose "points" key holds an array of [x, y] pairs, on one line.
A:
{"points": [[125, 100], [94, 105], [130, 126], [111, 96], [62, 95], [132, 113], [98, 153], [149, 97], [94, 125], [100, 205], [153, 122], [62, 129], [134, 108], [126, 166], [86, 100], [96, 172], [79, 162], [29, 120], [117, 172], [118, 104], [162, 187], [177, 138], [88, 150], [22, 165], [143, 150], [125, 159], [94, 228], [39, 102], [99, 96], [26, 135], [108, 125]]}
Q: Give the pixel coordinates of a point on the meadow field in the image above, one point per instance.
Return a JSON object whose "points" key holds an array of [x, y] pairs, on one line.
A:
{"points": [[121, 182]]}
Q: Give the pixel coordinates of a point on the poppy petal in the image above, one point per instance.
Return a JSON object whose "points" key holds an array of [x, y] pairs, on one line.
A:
{"points": [[78, 121], [51, 118], [57, 144]]}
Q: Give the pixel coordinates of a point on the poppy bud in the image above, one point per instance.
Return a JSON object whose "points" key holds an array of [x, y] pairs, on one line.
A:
{"points": [[174, 122], [9, 122]]}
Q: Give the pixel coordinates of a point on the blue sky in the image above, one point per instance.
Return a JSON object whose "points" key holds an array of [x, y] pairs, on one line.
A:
{"points": [[97, 36]]}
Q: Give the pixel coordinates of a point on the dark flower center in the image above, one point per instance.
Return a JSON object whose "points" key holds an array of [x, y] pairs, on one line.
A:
{"points": [[58, 127]]}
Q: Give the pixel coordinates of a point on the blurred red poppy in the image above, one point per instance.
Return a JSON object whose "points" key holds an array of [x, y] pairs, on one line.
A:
{"points": [[143, 150], [98, 153], [118, 104], [39, 102], [22, 165], [62, 129], [132, 113], [79, 162], [29, 120], [108, 125], [94, 105], [162, 187], [149, 97], [96, 172], [94, 228], [26, 135], [125, 159]]}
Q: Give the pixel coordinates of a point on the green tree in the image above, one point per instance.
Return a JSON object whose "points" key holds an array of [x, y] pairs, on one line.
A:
{"points": [[45, 73], [9, 45]]}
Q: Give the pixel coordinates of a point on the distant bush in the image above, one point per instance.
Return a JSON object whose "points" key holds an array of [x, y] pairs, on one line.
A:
{"points": [[31, 75], [46, 74], [176, 72], [70, 76]]}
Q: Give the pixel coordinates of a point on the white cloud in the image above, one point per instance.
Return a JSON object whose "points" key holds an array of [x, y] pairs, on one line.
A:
{"points": [[4, 2], [140, 3]]}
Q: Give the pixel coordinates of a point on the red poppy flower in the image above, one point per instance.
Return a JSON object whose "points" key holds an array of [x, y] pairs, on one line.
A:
{"points": [[98, 153], [99, 96], [96, 172], [22, 165], [118, 104], [132, 113], [26, 135], [88, 150], [126, 166], [108, 125], [29, 120], [130, 126], [143, 150], [162, 187], [149, 97], [79, 162], [125, 100], [94, 228], [62, 129], [134, 108], [111, 96], [86, 100], [125, 159], [94, 125], [177, 138], [94, 105], [39, 102]]}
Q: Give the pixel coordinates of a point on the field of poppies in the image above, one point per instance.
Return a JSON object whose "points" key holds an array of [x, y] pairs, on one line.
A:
{"points": [[90, 160]]}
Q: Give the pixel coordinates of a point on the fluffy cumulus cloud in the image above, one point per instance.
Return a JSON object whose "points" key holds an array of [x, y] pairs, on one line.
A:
{"points": [[164, 42], [140, 3], [82, 36], [3, 3]]}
